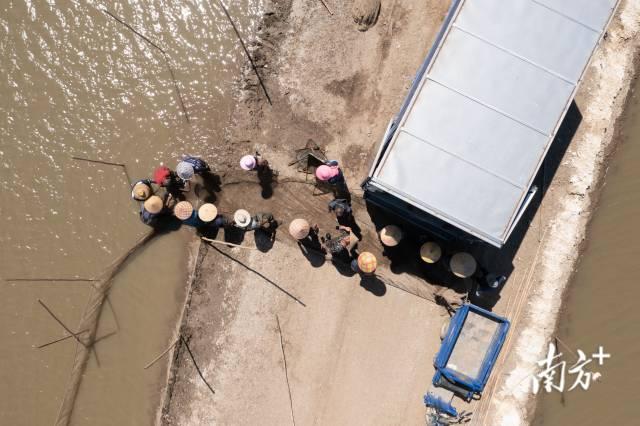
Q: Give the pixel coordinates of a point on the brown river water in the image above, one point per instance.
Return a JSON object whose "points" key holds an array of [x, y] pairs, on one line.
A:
{"points": [[74, 82], [601, 307]]}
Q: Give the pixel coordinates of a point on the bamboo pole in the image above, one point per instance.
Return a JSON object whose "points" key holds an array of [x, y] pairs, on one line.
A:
{"points": [[68, 330], [156, 359], [209, 240], [44, 345], [253, 65], [286, 371], [326, 7], [164, 54], [108, 163], [195, 364]]}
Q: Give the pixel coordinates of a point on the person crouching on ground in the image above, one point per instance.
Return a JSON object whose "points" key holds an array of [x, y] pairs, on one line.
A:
{"points": [[141, 190], [253, 162], [341, 247], [190, 166], [152, 210], [306, 236], [169, 180], [332, 174], [365, 264]]}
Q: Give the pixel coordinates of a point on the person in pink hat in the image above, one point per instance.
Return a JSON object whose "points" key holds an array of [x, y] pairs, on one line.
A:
{"points": [[253, 162], [331, 173]]}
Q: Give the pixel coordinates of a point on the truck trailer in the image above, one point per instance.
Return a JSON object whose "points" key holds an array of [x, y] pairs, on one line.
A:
{"points": [[460, 158]]}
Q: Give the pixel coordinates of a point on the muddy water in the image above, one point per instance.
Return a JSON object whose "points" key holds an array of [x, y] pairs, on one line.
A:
{"points": [[76, 83], [602, 305]]}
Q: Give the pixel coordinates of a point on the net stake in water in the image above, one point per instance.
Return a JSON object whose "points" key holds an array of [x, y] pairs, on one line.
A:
{"points": [[253, 65]]}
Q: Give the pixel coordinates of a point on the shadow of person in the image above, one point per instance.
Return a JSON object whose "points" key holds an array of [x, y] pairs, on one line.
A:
{"points": [[234, 235], [211, 183], [264, 239], [311, 248], [266, 177], [373, 285], [342, 263]]}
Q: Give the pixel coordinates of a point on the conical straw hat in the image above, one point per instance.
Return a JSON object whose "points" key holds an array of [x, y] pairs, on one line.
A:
{"points": [[462, 265], [207, 212], [183, 210], [391, 235], [153, 204], [430, 252], [141, 191], [242, 218], [367, 262], [299, 228]]}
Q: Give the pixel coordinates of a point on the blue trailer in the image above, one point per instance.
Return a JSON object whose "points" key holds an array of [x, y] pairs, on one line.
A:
{"points": [[466, 357]]}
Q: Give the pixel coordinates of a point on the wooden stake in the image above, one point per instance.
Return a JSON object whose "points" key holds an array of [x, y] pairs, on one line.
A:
{"points": [[156, 359], [58, 340], [253, 65], [108, 163], [164, 54], [61, 323], [195, 364], [286, 372], [209, 240], [326, 7]]}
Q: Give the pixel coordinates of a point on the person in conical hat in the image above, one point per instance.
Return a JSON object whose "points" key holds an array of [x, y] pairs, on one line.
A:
{"points": [[207, 212], [299, 229], [365, 264], [183, 210], [151, 210], [462, 265], [141, 190], [391, 235], [430, 252]]}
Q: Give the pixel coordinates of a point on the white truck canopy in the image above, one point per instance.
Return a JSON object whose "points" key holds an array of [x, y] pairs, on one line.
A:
{"points": [[485, 107]]}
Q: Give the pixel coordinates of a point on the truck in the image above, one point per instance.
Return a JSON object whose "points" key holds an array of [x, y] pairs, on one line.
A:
{"points": [[460, 158]]}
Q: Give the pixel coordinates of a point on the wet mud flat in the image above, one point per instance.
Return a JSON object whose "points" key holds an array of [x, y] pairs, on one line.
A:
{"points": [[79, 83], [598, 309]]}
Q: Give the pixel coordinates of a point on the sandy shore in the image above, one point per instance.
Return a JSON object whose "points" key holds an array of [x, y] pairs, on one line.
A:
{"points": [[358, 355]]}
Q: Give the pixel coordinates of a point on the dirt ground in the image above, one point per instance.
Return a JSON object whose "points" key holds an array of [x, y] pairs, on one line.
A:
{"points": [[356, 353]]}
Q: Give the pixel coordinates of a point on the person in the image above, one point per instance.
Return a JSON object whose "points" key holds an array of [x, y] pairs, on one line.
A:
{"points": [[341, 247], [168, 179], [306, 237], [183, 210], [151, 211], [489, 283], [331, 173], [365, 264], [242, 219], [209, 217], [341, 208], [391, 235], [141, 190], [253, 162], [198, 165]]}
